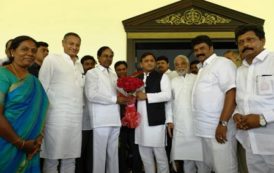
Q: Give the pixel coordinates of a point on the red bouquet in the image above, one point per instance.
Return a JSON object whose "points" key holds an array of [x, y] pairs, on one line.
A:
{"points": [[128, 86]]}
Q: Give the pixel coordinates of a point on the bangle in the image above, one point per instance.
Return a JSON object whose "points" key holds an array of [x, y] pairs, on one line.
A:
{"points": [[23, 144], [18, 140], [42, 134]]}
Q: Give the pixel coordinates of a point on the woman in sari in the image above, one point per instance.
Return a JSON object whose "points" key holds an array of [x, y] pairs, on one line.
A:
{"points": [[23, 105]]}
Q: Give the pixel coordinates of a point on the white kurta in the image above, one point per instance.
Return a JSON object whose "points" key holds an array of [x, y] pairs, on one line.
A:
{"points": [[100, 90], [171, 74], [215, 78], [185, 145], [255, 95], [63, 82], [152, 136], [86, 125]]}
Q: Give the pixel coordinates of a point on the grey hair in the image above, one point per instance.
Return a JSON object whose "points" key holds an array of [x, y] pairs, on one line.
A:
{"points": [[183, 57]]}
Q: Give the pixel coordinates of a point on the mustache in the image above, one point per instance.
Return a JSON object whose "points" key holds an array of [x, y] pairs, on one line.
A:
{"points": [[200, 55], [247, 48]]}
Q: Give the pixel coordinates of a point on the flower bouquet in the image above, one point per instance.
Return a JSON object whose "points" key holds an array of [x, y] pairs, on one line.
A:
{"points": [[128, 87]]}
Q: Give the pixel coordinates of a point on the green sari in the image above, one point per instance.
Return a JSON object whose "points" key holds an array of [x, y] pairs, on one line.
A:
{"points": [[24, 105]]}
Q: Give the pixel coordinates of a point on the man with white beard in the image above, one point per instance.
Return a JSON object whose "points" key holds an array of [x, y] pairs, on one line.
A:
{"points": [[185, 145]]}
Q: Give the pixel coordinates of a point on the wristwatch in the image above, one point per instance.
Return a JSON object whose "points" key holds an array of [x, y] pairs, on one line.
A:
{"points": [[262, 121], [223, 123]]}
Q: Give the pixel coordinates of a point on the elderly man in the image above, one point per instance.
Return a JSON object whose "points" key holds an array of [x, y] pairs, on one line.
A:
{"points": [[104, 112], [213, 105], [185, 145], [254, 115], [61, 77]]}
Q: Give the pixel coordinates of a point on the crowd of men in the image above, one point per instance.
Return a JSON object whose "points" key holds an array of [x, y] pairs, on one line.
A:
{"points": [[216, 113]]}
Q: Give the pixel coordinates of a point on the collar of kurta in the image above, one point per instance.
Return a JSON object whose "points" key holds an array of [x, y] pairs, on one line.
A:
{"points": [[184, 76], [146, 74], [102, 68], [168, 71], [209, 60], [68, 58], [259, 58]]}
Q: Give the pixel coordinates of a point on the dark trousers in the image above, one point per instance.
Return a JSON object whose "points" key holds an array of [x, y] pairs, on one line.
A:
{"points": [[84, 163], [129, 156]]}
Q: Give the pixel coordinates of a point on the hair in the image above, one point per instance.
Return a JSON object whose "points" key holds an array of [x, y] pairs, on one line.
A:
{"points": [[41, 43], [16, 43], [201, 39], [102, 49], [194, 62], [147, 54], [120, 63], [164, 58], [182, 57], [87, 57], [7, 43], [257, 29], [71, 34]]}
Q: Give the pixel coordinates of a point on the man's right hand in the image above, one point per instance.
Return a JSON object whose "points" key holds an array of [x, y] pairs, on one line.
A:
{"points": [[170, 127], [122, 100]]}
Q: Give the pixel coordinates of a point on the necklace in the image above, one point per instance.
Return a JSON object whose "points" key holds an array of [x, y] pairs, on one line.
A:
{"points": [[16, 72]]}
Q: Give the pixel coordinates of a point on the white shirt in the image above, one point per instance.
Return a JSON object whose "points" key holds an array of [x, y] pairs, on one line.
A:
{"points": [[86, 119], [100, 90], [255, 95], [171, 74], [183, 133], [215, 78], [153, 136], [62, 79]]}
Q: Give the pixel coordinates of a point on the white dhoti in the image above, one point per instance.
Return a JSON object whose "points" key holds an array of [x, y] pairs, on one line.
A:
{"points": [[105, 149], [221, 157], [257, 163]]}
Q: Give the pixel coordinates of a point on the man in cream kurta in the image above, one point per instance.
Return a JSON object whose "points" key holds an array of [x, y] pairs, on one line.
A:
{"points": [[61, 77], [104, 111], [185, 145]]}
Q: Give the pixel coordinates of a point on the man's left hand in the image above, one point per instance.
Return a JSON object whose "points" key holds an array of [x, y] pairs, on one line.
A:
{"points": [[220, 134], [141, 95], [250, 121]]}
